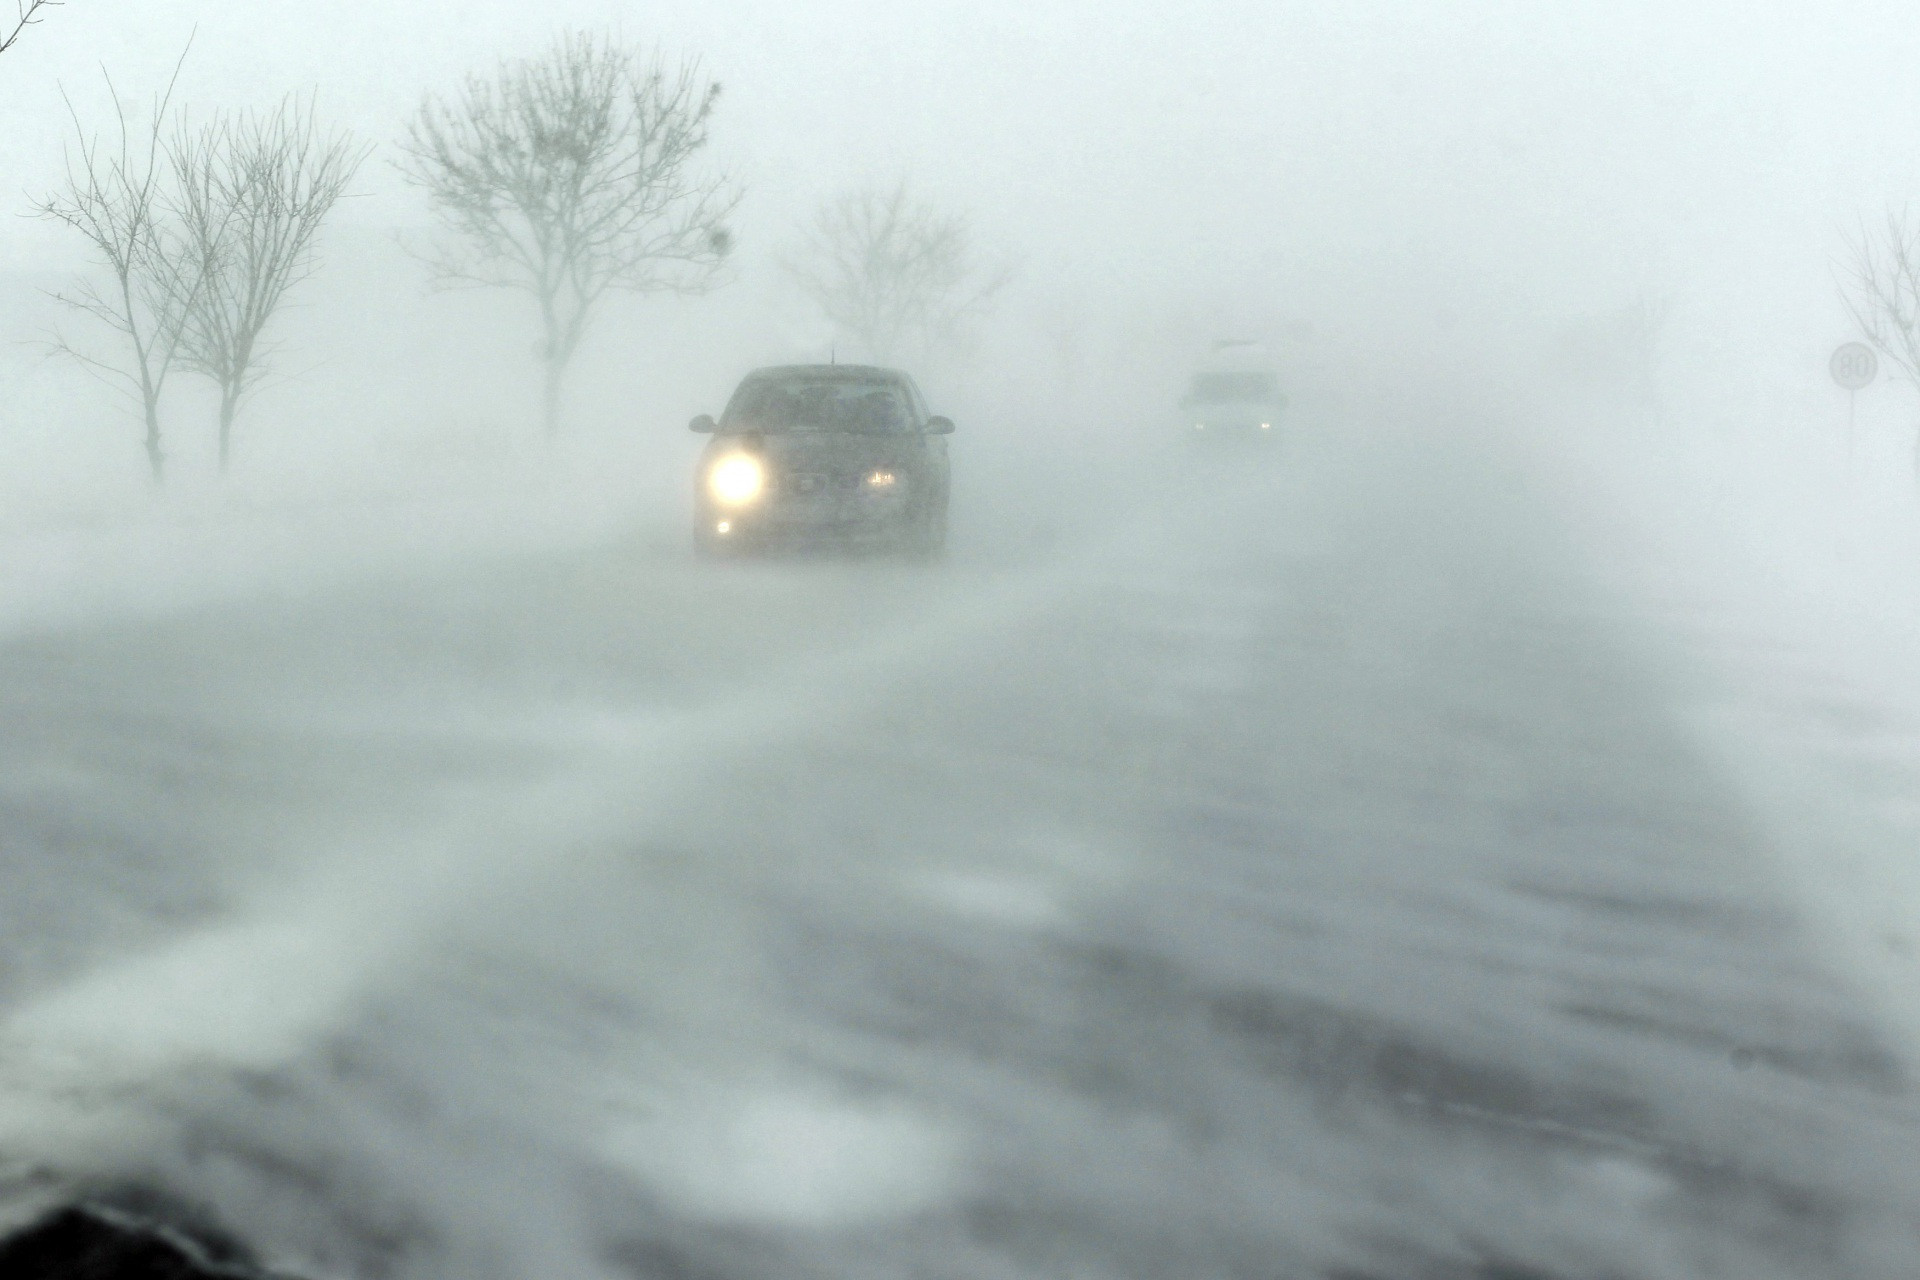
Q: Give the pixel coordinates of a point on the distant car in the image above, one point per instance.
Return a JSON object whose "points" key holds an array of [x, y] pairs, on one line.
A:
{"points": [[1233, 403], [836, 454]]}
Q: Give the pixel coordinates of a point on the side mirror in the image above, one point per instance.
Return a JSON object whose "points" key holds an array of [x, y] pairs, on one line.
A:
{"points": [[704, 424], [939, 426]]}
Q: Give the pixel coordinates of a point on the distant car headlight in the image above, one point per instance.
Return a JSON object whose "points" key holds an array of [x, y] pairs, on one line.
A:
{"points": [[881, 480], [737, 479]]}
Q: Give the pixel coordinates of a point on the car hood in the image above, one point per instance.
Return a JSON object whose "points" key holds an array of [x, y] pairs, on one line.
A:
{"points": [[1234, 408], [823, 451]]}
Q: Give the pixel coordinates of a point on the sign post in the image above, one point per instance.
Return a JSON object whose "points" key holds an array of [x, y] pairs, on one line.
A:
{"points": [[1853, 365]]}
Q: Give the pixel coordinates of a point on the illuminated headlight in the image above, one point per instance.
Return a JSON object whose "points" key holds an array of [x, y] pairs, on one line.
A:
{"points": [[1199, 426], [737, 479], [1266, 426], [881, 480]]}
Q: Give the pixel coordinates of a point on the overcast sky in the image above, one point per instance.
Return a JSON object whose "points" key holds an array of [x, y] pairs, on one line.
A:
{"points": [[1530, 148]]}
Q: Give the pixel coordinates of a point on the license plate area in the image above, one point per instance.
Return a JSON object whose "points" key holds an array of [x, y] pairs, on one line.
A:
{"points": [[821, 483], [807, 482]]}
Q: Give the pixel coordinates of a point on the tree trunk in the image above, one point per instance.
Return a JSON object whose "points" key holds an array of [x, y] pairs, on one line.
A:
{"points": [[156, 459], [550, 394], [229, 405]]}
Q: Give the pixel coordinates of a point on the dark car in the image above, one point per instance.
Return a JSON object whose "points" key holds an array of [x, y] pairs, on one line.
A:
{"points": [[823, 454], [1233, 404]]}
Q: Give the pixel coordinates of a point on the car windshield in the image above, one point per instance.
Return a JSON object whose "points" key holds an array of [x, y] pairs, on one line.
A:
{"points": [[1225, 388], [797, 405]]}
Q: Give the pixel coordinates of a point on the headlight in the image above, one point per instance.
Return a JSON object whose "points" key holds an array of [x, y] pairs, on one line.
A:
{"points": [[737, 479], [881, 480]]}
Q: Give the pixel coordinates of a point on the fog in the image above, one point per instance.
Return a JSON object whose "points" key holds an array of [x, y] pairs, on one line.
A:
{"points": [[1463, 834]]}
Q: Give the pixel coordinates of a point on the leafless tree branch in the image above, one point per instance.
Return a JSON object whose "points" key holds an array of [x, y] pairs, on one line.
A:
{"points": [[1880, 287], [26, 15], [570, 175], [888, 270], [249, 195], [112, 196]]}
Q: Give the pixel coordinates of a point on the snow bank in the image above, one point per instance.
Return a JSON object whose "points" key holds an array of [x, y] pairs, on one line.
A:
{"points": [[1787, 568], [79, 554]]}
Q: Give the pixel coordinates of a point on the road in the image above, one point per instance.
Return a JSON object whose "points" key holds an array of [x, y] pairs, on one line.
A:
{"points": [[1304, 870]]}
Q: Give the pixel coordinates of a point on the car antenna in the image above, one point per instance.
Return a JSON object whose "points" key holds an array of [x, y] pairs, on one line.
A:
{"points": [[833, 353]]}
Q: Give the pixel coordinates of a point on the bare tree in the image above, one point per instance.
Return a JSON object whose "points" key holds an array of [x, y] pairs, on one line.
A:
{"points": [[889, 271], [26, 14], [1880, 286], [250, 193], [570, 175], [113, 196]]}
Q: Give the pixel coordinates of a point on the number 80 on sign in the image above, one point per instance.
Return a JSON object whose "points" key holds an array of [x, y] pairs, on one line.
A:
{"points": [[1853, 365]]}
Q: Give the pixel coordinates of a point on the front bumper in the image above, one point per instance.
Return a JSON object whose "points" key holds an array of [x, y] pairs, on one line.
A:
{"points": [[848, 520], [1257, 430]]}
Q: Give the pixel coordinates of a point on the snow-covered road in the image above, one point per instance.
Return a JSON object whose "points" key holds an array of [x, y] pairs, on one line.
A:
{"points": [[1312, 870]]}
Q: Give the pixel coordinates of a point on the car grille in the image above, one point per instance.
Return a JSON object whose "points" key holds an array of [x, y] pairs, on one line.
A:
{"points": [[809, 482]]}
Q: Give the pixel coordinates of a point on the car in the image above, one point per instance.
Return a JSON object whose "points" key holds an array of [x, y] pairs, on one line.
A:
{"points": [[810, 455], [1234, 394]]}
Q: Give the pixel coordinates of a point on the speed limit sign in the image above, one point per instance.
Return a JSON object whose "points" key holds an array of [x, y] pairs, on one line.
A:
{"points": [[1853, 365]]}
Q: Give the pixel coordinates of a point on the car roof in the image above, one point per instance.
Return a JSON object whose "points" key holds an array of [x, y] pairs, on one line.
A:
{"points": [[827, 373]]}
